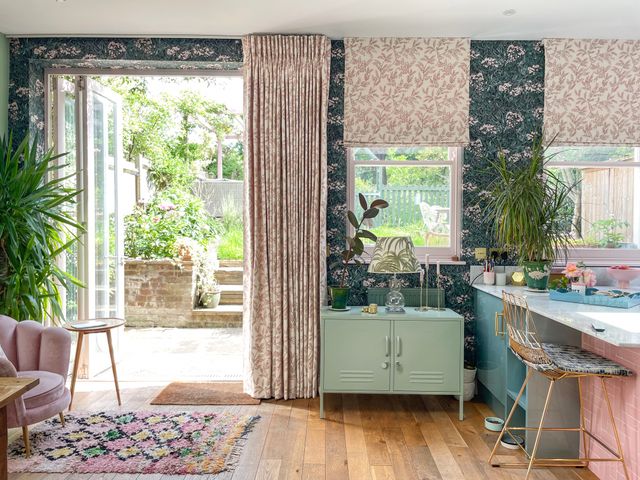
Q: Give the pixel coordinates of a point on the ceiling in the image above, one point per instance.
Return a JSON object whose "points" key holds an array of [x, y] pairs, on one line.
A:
{"points": [[478, 19]]}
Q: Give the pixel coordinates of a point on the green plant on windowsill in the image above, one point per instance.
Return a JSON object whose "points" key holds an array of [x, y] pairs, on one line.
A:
{"points": [[352, 254], [37, 228], [527, 208]]}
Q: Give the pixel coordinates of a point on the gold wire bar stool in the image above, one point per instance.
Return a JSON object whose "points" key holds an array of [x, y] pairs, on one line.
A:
{"points": [[555, 362]]}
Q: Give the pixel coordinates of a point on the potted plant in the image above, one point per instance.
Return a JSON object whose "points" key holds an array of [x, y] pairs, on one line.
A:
{"points": [[37, 228], [528, 207], [205, 261], [340, 293]]}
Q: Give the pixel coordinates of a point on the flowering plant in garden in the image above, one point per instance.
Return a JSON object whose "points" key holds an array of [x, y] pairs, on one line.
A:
{"points": [[579, 273], [160, 228]]}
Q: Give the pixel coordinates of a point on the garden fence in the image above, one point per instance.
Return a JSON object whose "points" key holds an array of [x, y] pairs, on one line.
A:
{"points": [[220, 196], [404, 203]]}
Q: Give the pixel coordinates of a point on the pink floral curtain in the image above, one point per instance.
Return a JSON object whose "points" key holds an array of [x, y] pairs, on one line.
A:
{"points": [[406, 91], [592, 92], [286, 85]]}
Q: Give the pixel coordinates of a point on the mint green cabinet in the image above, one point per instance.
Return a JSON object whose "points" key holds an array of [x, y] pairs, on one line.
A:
{"points": [[412, 353], [369, 369], [426, 356]]}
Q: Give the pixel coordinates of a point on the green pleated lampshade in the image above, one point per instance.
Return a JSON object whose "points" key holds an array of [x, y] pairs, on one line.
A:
{"points": [[394, 255]]}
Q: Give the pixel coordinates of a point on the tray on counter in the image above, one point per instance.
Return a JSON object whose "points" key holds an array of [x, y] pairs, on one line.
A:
{"points": [[601, 300]]}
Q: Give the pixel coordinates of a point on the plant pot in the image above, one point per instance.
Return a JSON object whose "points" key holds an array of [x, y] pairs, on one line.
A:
{"points": [[469, 389], [469, 374], [210, 299], [339, 297], [537, 274]]}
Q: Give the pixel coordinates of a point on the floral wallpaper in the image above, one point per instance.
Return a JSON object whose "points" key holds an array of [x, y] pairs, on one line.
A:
{"points": [[505, 111], [31, 56]]}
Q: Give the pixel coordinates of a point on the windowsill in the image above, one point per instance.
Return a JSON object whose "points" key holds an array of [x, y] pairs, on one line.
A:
{"points": [[432, 261]]}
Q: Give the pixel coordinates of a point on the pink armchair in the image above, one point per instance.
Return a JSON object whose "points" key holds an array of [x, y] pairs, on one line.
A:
{"points": [[38, 352]]}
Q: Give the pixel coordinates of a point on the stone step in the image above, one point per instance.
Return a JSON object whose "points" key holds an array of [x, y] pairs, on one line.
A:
{"points": [[230, 263], [229, 275], [231, 295], [222, 316]]}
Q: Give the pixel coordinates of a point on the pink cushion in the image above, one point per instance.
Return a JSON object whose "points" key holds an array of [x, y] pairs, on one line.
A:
{"points": [[50, 388]]}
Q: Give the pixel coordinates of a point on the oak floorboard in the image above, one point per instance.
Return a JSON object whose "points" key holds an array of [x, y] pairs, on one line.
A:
{"points": [[364, 437]]}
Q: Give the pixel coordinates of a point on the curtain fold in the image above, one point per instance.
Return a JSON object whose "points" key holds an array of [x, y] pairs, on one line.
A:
{"points": [[406, 91], [286, 87], [592, 92]]}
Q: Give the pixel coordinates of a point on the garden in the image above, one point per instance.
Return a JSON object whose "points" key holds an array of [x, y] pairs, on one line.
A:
{"points": [[185, 137]]}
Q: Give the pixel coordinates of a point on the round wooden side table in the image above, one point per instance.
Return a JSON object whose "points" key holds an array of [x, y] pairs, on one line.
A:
{"points": [[110, 324]]}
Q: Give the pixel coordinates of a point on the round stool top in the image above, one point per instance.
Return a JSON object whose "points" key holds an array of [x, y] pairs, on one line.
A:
{"points": [[94, 325]]}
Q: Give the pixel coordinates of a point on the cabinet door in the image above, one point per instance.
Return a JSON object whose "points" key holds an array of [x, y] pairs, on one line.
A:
{"points": [[427, 356], [490, 348], [357, 355]]}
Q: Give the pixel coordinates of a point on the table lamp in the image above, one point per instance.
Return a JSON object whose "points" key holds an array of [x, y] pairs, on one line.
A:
{"points": [[393, 255]]}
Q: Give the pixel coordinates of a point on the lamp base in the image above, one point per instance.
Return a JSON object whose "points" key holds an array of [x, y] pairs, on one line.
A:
{"points": [[395, 310]]}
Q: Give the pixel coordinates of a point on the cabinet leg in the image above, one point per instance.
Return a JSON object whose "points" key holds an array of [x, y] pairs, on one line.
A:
{"points": [[321, 405], [461, 413]]}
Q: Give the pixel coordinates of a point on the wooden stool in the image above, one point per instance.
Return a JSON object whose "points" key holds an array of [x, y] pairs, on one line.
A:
{"points": [[110, 324]]}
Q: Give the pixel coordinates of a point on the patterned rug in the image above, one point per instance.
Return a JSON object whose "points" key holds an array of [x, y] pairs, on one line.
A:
{"points": [[135, 442]]}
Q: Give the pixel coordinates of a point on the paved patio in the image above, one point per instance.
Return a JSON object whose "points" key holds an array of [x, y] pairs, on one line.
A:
{"points": [[178, 354]]}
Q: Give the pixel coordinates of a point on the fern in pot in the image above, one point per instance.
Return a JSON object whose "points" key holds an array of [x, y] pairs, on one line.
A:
{"points": [[528, 208]]}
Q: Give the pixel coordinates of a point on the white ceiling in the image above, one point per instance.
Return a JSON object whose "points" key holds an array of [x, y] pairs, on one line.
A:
{"points": [[478, 19]]}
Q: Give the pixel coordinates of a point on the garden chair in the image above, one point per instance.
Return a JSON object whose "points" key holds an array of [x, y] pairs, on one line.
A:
{"points": [[435, 221]]}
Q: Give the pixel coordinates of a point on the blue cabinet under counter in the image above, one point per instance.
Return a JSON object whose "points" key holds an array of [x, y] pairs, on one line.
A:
{"points": [[501, 373]]}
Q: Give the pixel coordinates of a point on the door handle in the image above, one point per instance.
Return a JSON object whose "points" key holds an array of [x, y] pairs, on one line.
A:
{"points": [[398, 364], [384, 365], [499, 330], [387, 345], [398, 346]]}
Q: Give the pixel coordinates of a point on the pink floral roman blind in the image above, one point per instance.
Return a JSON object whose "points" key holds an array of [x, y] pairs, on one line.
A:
{"points": [[406, 91], [592, 92]]}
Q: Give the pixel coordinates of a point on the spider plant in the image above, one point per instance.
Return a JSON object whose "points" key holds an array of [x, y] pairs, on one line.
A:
{"points": [[528, 208], [36, 229]]}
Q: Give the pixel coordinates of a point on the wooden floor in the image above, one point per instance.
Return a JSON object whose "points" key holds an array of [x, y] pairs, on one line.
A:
{"points": [[365, 437]]}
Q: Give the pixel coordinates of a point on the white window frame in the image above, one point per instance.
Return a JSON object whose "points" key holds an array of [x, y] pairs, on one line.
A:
{"points": [[606, 256], [442, 254]]}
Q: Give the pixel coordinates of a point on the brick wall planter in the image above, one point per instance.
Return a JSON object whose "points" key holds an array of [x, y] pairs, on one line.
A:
{"points": [[162, 293], [159, 293]]}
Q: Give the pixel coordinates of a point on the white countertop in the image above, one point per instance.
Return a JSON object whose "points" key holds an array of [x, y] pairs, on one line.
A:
{"points": [[622, 325]]}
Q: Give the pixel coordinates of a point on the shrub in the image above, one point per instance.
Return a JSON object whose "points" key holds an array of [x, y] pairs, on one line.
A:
{"points": [[156, 229]]}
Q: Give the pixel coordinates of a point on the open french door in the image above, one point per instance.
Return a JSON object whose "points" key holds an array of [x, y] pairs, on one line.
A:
{"points": [[87, 123]]}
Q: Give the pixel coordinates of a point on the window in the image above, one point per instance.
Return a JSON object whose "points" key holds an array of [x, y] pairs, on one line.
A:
{"points": [[605, 202], [422, 186]]}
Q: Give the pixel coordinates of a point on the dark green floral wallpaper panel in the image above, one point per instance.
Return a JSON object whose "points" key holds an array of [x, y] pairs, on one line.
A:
{"points": [[506, 103], [31, 56]]}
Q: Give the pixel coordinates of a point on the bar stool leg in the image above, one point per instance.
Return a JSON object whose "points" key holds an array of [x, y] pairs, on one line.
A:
{"points": [[513, 409], [583, 423], [615, 429], [537, 442], [113, 366]]}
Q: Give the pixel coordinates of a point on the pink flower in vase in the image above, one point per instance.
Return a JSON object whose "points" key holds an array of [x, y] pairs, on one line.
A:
{"points": [[589, 278], [572, 271]]}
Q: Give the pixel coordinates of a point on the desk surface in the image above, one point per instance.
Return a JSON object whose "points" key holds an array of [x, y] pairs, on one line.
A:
{"points": [[12, 387], [621, 325]]}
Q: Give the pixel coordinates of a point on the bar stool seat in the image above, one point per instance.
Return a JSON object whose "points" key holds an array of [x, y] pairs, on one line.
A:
{"points": [[574, 359]]}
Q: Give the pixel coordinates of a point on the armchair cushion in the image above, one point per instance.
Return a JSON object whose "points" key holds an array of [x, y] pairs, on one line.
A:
{"points": [[50, 388]]}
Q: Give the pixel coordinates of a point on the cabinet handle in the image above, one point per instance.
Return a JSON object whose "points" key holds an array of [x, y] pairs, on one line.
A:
{"points": [[499, 324], [398, 346], [384, 365], [387, 345], [398, 364]]}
